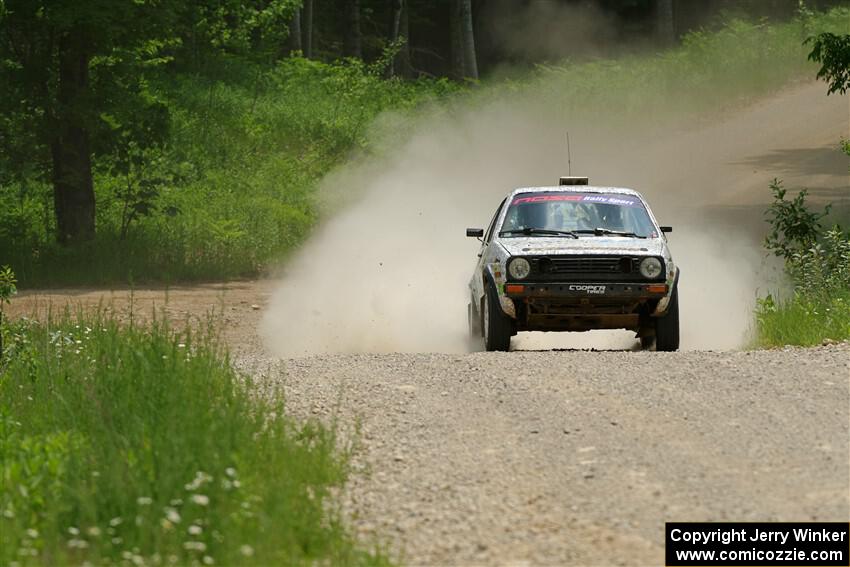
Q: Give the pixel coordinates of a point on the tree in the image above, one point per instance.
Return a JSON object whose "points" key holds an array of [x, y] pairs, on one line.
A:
{"points": [[470, 63], [294, 40], [464, 62], [70, 71], [307, 29], [352, 39], [833, 53], [398, 34]]}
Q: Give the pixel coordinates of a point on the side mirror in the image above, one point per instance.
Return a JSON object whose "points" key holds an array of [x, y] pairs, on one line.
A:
{"points": [[475, 232], [666, 228]]}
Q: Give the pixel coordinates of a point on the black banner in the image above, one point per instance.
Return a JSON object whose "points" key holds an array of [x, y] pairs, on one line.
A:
{"points": [[758, 544]]}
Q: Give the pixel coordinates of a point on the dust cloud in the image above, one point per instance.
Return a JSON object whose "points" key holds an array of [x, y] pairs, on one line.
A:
{"points": [[388, 271], [548, 31]]}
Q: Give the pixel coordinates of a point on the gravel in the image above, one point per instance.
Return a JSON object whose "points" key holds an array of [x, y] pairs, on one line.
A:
{"points": [[575, 457]]}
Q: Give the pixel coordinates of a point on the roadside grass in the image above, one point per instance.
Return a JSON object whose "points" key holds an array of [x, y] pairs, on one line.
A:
{"points": [[250, 143], [803, 321], [130, 445]]}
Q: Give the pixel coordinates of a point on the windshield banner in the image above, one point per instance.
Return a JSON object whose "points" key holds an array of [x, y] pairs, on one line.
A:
{"points": [[607, 199]]}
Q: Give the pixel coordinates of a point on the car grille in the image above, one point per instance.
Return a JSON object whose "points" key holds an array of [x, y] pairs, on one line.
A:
{"points": [[586, 268], [583, 265]]}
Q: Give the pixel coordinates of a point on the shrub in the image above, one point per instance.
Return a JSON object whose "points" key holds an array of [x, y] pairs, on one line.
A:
{"points": [[818, 265]]}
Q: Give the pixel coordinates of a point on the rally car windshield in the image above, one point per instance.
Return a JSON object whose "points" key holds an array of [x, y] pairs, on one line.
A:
{"points": [[598, 214]]}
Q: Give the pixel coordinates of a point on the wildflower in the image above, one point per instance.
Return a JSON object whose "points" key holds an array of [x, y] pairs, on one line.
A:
{"points": [[181, 345], [230, 471], [194, 546], [172, 515], [246, 550], [144, 501], [77, 543], [200, 499], [166, 525], [32, 533], [195, 530], [73, 531], [200, 479], [116, 521], [93, 531], [208, 560], [177, 502], [117, 541]]}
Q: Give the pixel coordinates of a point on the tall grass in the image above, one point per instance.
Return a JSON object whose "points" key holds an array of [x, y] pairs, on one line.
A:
{"points": [[123, 445], [803, 321]]}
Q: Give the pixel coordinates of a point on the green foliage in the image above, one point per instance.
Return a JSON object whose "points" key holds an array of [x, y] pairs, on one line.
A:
{"points": [[7, 290], [818, 265], [793, 228], [833, 53], [122, 444], [7, 285], [824, 267], [230, 190]]}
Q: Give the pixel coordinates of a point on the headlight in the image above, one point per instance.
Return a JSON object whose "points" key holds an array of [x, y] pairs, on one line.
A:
{"points": [[650, 268], [519, 268]]}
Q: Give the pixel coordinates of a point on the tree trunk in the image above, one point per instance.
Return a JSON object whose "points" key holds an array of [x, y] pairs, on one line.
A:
{"points": [[464, 64], [307, 29], [398, 29], [665, 24], [294, 39], [352, 45], [470, 62], [402, 61], [456, 32], [73, 190]]}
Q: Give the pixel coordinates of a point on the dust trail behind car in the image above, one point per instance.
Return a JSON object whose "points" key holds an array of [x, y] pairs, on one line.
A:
{"points": [[387, 272]]}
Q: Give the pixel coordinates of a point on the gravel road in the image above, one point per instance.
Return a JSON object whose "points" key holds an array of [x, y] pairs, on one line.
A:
{"points": [[577, 457]]}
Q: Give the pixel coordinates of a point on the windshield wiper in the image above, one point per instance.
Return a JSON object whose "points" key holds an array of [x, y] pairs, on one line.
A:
{"points": [[528, 231], [599, 231]]}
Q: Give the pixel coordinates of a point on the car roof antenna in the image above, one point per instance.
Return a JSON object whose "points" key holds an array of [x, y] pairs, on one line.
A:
{"points": [[569, 157]]}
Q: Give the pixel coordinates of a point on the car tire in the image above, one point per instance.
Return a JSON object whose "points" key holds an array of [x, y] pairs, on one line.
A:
{"points": [[667, 326], [497, 326], [473, 319]]}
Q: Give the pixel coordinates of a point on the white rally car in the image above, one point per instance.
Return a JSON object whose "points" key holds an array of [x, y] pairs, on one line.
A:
{"points": [[574, 258]]}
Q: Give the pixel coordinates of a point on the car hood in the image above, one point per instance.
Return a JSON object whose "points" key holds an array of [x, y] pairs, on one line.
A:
{"points": [[538, 245]]}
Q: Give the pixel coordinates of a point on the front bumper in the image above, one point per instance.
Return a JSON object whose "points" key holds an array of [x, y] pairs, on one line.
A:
{"points": [[608, 291], [565, 306]]}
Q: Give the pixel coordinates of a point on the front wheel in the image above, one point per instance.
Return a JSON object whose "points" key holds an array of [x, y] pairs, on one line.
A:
{"points": [[497, 325], [667, 327]]}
